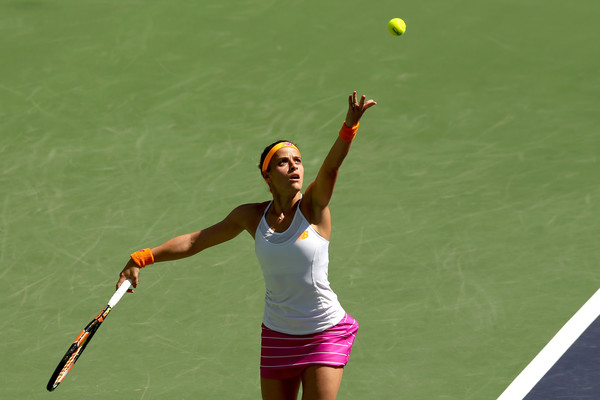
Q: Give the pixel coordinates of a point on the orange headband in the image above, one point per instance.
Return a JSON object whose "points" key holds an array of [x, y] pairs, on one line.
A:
{"points": [[273, 151]]}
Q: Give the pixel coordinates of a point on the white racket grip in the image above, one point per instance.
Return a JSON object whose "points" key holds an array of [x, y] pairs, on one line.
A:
{"points": [[119, 293]]}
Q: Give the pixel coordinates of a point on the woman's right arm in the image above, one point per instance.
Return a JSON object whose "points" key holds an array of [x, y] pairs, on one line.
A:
{"points": [[240, 219]]}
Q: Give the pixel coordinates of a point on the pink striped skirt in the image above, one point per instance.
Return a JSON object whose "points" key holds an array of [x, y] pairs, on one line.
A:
{"points": [[284, 356]]}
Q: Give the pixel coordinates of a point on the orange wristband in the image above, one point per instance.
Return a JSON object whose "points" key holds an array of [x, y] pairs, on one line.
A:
{"points": [[347, 134], [143, 257]]}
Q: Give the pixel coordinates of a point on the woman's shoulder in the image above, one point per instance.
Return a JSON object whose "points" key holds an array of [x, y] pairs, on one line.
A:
{"points": [[249, 215], [252, 208]]}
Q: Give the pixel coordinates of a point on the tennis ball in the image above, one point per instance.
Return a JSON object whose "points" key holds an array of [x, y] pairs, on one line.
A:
{"points": [[397, 27]]}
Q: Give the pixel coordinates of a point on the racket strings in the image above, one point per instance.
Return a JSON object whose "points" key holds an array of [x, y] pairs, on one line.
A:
{"points": [[82, 340]]}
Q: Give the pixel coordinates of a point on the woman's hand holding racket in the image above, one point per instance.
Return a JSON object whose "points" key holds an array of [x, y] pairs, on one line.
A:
{"points": [[131, 272]]}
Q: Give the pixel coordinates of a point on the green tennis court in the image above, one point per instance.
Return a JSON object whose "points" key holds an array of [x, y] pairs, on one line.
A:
{"points": [[466, 218]]}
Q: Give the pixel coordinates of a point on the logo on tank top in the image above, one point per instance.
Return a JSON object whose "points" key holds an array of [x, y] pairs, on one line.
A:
{"points": [[302, 236]]}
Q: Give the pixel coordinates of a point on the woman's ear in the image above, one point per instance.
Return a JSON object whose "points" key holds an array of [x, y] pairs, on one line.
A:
{"points": [[268, 180]]}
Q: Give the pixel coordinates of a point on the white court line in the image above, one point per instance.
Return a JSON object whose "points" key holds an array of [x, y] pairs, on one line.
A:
{"points": [[555, 348]]}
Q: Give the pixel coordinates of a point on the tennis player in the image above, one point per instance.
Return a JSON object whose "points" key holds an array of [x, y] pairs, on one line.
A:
{"points": [[306, 334]]}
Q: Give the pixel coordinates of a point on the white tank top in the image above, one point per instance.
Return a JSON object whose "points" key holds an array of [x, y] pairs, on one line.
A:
{"points": [[298, 299]]}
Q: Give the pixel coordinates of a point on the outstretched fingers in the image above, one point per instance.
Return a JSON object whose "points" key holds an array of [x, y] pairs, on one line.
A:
{"points": [[361, 105], [357, 108], [368, 104]]}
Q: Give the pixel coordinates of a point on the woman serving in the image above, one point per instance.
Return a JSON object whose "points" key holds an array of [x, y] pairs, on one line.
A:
{"points": [[306, 334]]}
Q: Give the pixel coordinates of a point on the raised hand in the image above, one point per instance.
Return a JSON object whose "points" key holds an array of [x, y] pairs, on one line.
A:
{"points": [[357, 109]]}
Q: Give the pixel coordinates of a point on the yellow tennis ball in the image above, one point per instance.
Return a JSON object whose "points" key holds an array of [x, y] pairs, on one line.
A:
{"points": [[397, 27]]}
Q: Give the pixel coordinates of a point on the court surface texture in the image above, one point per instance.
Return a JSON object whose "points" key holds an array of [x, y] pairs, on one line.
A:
{"points": [[568, 366]]}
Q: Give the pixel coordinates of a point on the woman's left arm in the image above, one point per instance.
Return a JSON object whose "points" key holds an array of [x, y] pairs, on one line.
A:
{"points": [[318, 193]]}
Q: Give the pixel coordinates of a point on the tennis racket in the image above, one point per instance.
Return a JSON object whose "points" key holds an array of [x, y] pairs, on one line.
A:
{"points": [[80, 343]]}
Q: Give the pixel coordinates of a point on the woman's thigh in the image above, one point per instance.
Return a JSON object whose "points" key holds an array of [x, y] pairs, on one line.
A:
{"points": [[280, 389], [321, 382]]}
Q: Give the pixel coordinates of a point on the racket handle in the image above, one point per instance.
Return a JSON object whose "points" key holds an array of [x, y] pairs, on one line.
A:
{"points": [[119, 293]]}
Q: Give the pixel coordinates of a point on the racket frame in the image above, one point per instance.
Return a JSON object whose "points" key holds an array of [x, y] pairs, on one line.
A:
{"points": [[83, 339]]}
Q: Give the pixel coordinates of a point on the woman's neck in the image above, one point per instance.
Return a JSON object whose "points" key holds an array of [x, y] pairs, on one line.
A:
{"points": [[285, 204]]}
